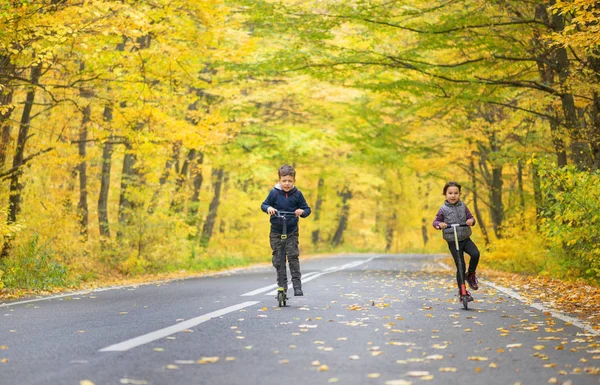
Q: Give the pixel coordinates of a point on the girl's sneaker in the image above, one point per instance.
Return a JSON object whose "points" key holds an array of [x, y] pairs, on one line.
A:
{"points": [[472, 281], [469, 297]]}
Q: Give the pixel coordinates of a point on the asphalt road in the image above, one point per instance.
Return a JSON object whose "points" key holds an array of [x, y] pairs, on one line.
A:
{"points": [[364, 319]]}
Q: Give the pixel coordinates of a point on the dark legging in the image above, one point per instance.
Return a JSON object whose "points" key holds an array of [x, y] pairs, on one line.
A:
{"points": [[469, 247]]}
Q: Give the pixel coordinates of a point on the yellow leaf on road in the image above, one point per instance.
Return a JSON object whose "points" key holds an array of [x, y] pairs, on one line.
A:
{"points": [[514, 345], [417, 373], [86, 382], [475, 358], [208, 360], [323, 368], [447, 369], [373, 375], [539, 347]]}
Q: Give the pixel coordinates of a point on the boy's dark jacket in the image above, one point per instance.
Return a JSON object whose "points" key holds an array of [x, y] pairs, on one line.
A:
{"points": [[282, 201]]}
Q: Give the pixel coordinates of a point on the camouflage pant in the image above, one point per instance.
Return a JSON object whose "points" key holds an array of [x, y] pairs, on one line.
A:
{"points": [[292, 252]]}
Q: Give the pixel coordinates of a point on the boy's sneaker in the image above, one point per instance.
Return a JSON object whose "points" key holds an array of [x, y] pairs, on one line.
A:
{"points": [[472, 281], [298, 292]]}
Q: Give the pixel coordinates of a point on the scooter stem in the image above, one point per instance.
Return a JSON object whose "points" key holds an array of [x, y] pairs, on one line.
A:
{"points": [[454, 226]]}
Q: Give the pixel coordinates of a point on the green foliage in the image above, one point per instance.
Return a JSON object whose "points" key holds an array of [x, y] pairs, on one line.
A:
{"points": [[33, 267], [571, 219]]}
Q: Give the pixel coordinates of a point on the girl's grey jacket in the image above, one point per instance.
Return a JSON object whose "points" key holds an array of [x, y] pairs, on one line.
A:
{"points": [[451, 214]]}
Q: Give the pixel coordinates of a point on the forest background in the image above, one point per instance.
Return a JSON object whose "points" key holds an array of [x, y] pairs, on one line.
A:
{"points": [[140, 137]]}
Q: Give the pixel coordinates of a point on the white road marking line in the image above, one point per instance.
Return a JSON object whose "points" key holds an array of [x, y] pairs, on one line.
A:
{"points": [[538, 306], [327, 271], [158, 334]]}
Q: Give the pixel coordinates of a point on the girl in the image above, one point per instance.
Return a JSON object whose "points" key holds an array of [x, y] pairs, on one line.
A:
{"points": [[454, 211]]}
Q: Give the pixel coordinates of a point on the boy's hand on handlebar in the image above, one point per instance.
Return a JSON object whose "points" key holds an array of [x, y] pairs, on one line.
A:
{"points": [[442, 225], [271, 211], [299, 212], [470, 222]]}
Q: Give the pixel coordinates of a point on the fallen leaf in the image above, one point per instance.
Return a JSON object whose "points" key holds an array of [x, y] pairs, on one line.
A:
{"points": [[323, 368], [398, 382], [208, 360], [514, 345], [539, 347], [86, 382], [316, 363], [354, 357], [284, 361], [172, 367], [475, 358], [434, 357], [417, 373], [333, 380], [447, 369], [373, 375]]}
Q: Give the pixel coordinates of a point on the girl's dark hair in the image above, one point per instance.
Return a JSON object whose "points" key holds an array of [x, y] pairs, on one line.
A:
{"points": [[450, 184], [286, 170]]}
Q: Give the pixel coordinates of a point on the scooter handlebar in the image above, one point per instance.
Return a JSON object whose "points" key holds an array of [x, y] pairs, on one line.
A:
{"points": [[280, 214], [450, 226]]}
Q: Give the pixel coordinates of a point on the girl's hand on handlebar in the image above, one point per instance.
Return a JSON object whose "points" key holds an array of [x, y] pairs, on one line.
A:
{"points": [[271, 210], [299, 212], [442, 225], [470, 221]]}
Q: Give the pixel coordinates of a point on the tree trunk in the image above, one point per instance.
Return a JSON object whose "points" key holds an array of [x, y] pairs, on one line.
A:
{"points": [[82, 206], [107, 152], [16, 186], [476, 210], [128, 179], [579, 150], [346, 195], [196, 171], [546, 72], [425, 194], [317, 211], [6, 96], [5, 126], [389, 234], [537, 193], [595, 113], [209, 223], [521, 190]]}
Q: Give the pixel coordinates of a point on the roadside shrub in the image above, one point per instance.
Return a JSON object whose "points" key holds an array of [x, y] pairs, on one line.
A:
{"points": [[33, 266], [571, 219]]}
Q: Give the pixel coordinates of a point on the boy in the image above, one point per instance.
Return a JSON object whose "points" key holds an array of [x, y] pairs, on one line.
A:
{"points": [[286, 197]]}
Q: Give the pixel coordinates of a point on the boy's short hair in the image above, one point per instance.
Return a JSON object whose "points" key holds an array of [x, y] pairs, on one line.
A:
{"points": [[286, 170], [451, 184]]}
